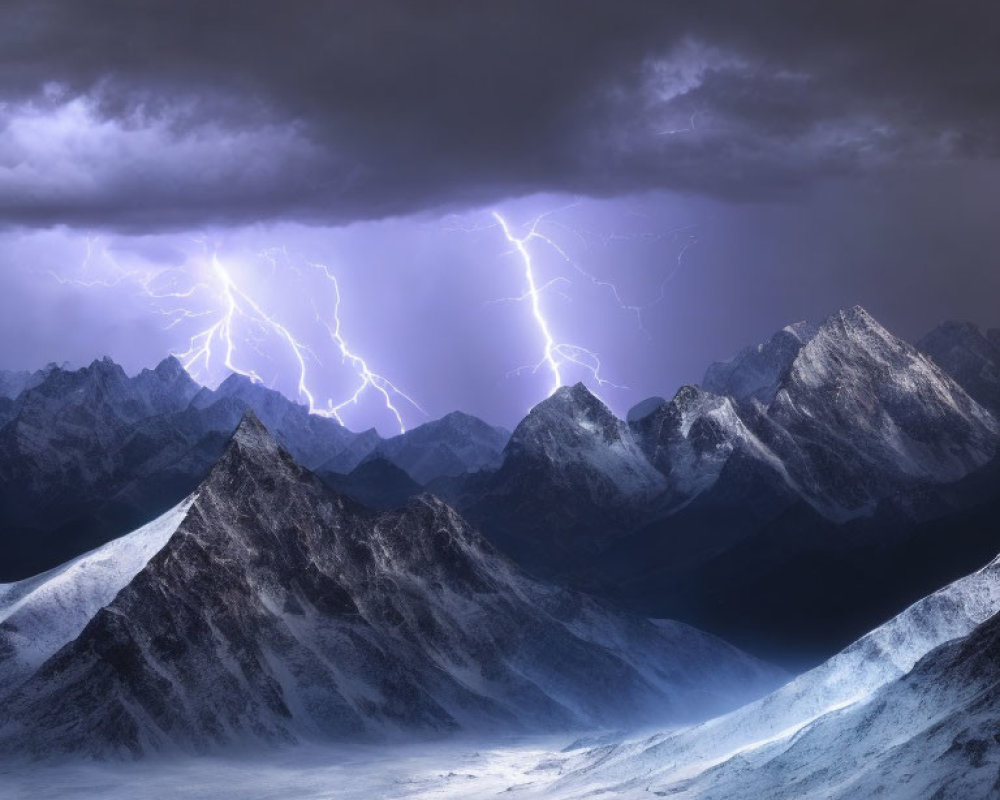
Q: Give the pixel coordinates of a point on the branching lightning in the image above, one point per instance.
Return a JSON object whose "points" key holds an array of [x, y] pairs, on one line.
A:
{"points": [[558, 355], [231, 321], [555, 354], [367, 378], [240, 322], [686, 235]]}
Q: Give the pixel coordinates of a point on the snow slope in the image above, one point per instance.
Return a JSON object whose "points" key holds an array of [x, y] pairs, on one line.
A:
{"points": [[686, 763], [41, 614]]}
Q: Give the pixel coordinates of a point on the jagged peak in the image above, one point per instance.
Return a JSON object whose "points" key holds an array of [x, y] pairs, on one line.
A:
{"points": [[105, 366], [251, 437], [574, 398], [578, 392], [575, 404], [855, 317], [755, 372], [691, 396], [852, 330], [170, 368]]}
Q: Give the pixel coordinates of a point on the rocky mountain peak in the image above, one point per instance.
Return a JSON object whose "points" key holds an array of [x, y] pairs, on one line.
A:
{"points": [[452, 445], [275, 611], [572, 410], [574, 430], [169, 369], [167, 387], [846, 346], [105, 366], [578, 394], [252, 439], [756, 371], [864, 399]]}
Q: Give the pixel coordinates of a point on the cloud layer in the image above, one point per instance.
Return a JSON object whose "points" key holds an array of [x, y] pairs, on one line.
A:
{"points": [[147, 116]]}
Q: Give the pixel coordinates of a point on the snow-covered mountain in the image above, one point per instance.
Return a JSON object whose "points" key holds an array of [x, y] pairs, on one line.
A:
{"points": [[829, 444], [756, 372], [906, 711], [692, 437], [69, 436], [574, 431], [573, 475], [846, 413], [869, 414], [268, 608], [835, 448], [453, 445]]}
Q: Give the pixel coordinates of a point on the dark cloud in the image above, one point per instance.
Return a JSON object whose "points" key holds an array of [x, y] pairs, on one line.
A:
{"points": [[172, 114]]}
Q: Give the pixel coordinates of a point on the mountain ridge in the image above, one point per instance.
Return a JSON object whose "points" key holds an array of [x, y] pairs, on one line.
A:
{"points": [[278, 610], [863, 443]]}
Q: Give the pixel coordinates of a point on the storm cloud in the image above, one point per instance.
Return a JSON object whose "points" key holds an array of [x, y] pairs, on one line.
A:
{"points": [[143, 116]]}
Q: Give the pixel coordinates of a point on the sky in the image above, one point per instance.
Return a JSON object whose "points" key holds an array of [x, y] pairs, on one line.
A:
{"points": [[351, 201]]}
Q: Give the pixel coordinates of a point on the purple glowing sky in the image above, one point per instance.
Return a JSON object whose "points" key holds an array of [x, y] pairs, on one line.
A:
{"points": [[759, 168]]}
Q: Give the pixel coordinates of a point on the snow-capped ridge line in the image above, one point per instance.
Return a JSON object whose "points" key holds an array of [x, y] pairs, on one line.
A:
{"points": [[41, 614]]}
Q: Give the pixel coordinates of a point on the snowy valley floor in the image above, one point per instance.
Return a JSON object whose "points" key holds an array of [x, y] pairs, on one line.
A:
{"points": [[522, 767]]}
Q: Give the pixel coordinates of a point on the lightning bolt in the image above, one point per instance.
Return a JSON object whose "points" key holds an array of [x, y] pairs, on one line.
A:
{"points": [[238, 304], [555, 355], [241, 322], [685, 234], [367, 378]]}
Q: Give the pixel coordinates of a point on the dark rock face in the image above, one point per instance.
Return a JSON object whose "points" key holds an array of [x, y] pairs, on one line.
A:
{"points": [[847, 413], [279, 611], [694, 437]]}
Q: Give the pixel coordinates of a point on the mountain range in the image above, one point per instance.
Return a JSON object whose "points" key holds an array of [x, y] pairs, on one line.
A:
{"points": [[266, 608], [794, 500], [89, 454], [831, 456], [191, 571]]}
